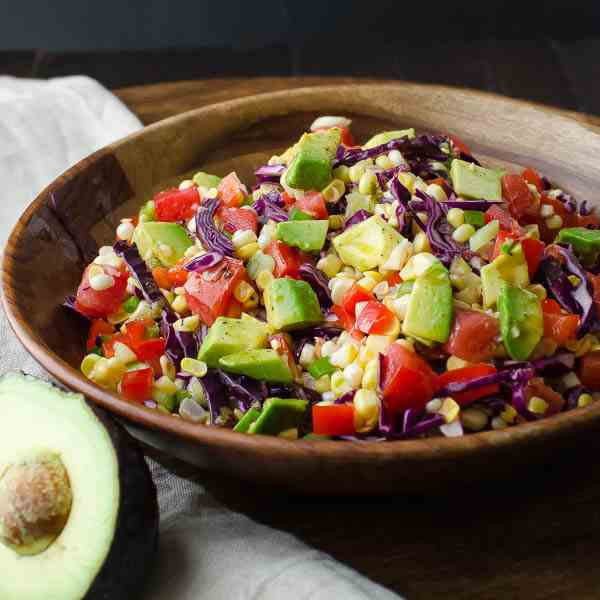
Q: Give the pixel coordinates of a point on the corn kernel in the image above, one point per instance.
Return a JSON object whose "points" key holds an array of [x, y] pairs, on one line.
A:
{"points": [[463, 233], [400, 306], [189, 324], [342, 173], [366, 410], [165, 385], [355, 172], [539, 290], [499, 423], [328, 348], [399, 256], [433, 406], [336, 221], [344, 355], [449, 409], [584, 400], [509, 414], [124, 354], [395, 157], [370, 379], [554, 222], [179, 291], [407, 180], [437, 192], [180, 305], [339, 385], [88, 363], [194, 367], [420, 184], [267, 234], [383, 162], [417, 265], [378, 344], [248, 251], [330, 265], [307, 356], [570, 380], [353, 375], [323, 384], [537, 405], [456, 217], [473, 419], [368, 183], [167, 367], [381, 289], [339, 287], [242, 237], [368, 283], [328, 398], [243, 291], [263, 279], [334, 191], [421, 243]]}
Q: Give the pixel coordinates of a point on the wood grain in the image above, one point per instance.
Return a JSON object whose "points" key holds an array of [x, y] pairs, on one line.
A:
{"points": [[522, 537]]}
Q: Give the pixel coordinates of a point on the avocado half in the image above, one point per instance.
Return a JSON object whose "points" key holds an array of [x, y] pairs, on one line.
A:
{"points": [[78, 508]]}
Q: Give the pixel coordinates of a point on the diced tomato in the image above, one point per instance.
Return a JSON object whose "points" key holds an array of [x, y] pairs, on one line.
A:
{"points": [[333, 419], [232, 191], [345, 318], [136, 332], [468, 374], [503, 236], [151, 348], [537, 387], [346, 136], [507, 223], [474, 336], [532, 177], [587, 220], [375, 318], [589, 371], [176, 205], [407, 380], [287, 199], [137, 385], [282, 344], [161, 276], [534, 251], [177, 276], [518, 196], [101, 303], [313, 204], [237, 219], [98, 327], [459, 144], [550, 306], [569, 219], [234, 309], [595, 281], [394, 278], [208, 293], [561, 328], [356, 334], [108, 346], [288, 260], [353, 296]]}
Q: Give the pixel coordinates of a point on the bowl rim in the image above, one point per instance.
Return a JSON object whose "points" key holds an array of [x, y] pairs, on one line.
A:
{"points": [[411, 449]]}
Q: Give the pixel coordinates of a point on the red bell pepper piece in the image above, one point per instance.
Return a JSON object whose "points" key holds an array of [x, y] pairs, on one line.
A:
{"points": [[137, 385], [375, 318], [333, 419], [231, 190], [98, 327], [353, 296], [176, 205], [465, 375], [313, 204]]}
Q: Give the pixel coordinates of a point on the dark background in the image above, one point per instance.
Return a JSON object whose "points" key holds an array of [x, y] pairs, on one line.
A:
{"points": [[543, 51]]}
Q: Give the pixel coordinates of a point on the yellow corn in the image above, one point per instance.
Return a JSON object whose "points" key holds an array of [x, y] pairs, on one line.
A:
{"points": [[537, 405], [165, 385], [263, 279], [339, 385], [368, 183], [334, 191], [456, 217], [342, 173], [242, 237], [248, 251], [190, 323], [243, 291], [407, 180], [167, 367], [336, 221], [449, 409], [384, 162], [454, 362], [368, 283], [366, 410], [88, 363], [370, 380], [463, 233], [344, 355], [437, 192], [584, 400], [330, 265], [355, 172], [421, 243], [180, 305], [124, 354], [323, 384], [194, 367], [509, 414]]}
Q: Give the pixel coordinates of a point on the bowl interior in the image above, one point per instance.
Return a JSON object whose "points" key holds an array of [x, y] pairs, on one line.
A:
{"points": [[61, 231]]}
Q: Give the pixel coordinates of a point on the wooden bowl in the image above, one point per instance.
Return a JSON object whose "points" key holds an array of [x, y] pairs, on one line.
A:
{"points": [[49, 249]]}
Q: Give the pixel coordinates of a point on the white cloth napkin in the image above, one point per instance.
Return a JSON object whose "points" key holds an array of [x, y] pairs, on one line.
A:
{"points": [[207, 551]]}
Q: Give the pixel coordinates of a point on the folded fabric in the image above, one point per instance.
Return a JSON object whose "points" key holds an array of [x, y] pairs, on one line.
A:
{"points": [[207, 551]]}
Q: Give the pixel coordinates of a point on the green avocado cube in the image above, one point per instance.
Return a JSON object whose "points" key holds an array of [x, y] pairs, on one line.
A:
{"points": [[163, 240], [310, 169], [356, 201], [521, 321], [387, 136], [584, 241], [506, 267], [266, 365], [309, 236], [291, 304], [206, 180], [472, 181], [279, 414], [249, 417], [299, 215], [228, 336], [430, 307]]}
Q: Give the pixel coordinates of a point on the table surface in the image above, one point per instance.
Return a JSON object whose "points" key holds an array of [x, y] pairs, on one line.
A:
{"points": [[532, 538]]}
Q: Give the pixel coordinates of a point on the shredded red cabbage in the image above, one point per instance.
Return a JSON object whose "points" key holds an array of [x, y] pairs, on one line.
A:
{"points": [[139, 270], [204, 262], [345, 398], [179, 344], [556, 365], [318, 282], [383, 177], [243, 390], [481, 205], [519, 380], [271, 206], [572, 396], [212, 239], [358, 217], [269, 173], [214, 393]]}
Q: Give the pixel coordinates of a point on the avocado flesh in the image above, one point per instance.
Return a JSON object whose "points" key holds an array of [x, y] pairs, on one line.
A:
{"points": [[109, 537], [264, 365], [387, 136], [472, 181], [307, 235], [150, 236], [291, 304]]}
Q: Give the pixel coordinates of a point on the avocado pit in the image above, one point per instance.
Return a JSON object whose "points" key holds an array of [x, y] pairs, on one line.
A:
{"points": [[35, 502]]}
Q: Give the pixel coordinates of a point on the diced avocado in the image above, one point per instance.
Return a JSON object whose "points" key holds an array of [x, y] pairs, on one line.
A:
{"points": [[299, 215], [404, 288], [249, 417], [309, 236], [321, 367], [484, 235], [472, 181], [279, 414], [310, 168], [146, 213], [259, 262], [291, 304], [166, 241], [228, 336], [368, 244], [521, 321], [387, 136], [475, 218], [430, 308], [511, 268], [206, 180], [356, 201], [266, 365], [584, 241]]}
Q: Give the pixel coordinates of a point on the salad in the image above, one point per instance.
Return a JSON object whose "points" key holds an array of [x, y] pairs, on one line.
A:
{"points": [[390, 290]]}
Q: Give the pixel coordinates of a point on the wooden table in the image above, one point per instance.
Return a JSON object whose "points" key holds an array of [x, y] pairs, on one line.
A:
{"points": [[533, 538]]}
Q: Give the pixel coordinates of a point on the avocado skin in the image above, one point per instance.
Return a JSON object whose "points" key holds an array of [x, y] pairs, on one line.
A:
{"points": [[133, 550]]}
